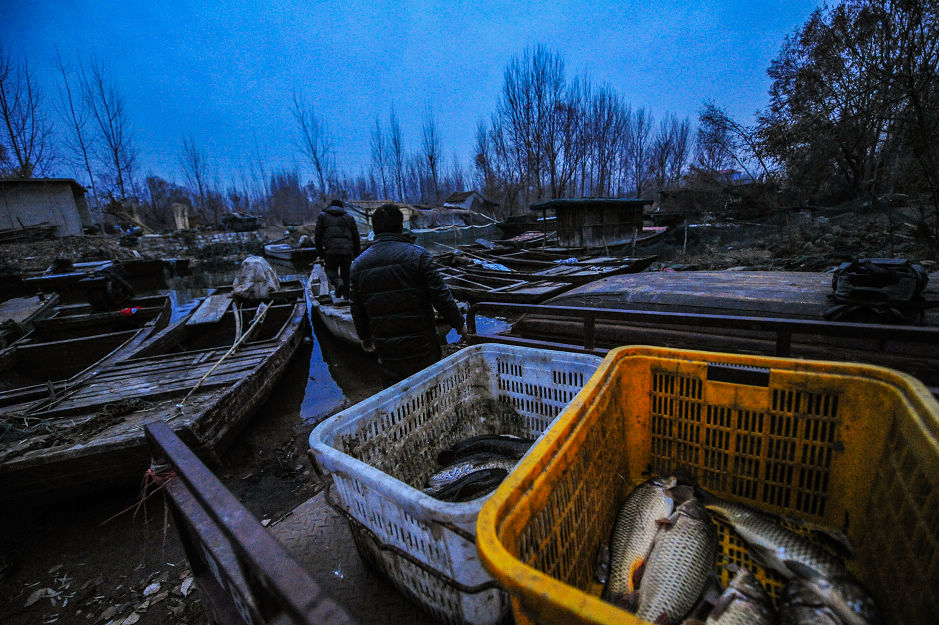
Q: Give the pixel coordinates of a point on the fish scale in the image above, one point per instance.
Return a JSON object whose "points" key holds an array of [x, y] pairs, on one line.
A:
{"points": [[744, 602], [770, 543], [678, 566], [634, 532]]}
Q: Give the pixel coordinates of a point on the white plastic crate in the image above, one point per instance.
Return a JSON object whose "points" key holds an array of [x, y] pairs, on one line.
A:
{"points": [[378, 454]]}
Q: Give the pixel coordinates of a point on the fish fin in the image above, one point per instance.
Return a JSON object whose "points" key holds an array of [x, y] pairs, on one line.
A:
{"points": [[601, 564], [629, 601], [802, 570], [723, 602], [668, 520], [835, 541], [680, 493], [662, 619], [636, 573], [762, 556]]}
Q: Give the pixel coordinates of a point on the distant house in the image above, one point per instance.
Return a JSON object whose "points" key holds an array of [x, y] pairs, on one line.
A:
{"points": [[59, 202], [733, 176], [471, 201], [595, 223]]}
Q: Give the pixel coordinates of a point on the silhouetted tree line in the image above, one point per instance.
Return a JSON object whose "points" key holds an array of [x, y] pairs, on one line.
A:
{"points": [[853, 112]]}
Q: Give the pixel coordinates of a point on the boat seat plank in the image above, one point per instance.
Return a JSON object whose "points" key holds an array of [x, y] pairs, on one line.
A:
{"points": [[119, 387], [211, 310]]}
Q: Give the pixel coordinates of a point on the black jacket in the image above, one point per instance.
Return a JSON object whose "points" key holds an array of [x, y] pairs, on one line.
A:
{"points": [[336, 233], [395, 287]]}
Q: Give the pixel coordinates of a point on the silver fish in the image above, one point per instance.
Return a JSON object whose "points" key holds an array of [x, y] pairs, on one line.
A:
{"points": [[679, 564], [770, 543], [471, 464], [744, 602], [800, 605], [634, 532], [843, 595]]}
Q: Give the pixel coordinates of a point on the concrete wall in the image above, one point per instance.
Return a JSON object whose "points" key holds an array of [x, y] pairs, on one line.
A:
{"points": [[28, 203]]}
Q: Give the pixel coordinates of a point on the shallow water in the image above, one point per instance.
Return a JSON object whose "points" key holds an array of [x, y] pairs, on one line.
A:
{"points": [[332, 375]]}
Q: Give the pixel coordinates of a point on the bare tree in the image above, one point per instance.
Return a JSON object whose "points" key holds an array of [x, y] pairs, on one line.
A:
{"points": [[669, 150], [195, 165], [116, 153], [314, 140], [379, 158], [533, 112], [640, 136], [741, 142], [78, 139], [26, 133], [396, 148], [431, 148]]}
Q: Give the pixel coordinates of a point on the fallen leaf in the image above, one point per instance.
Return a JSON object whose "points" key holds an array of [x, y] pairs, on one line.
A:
{"points": [[152, 589], [55, 568], [186, 588], [108, 613], [130, 620], [157, 598], [143, 607], [265, 522]]}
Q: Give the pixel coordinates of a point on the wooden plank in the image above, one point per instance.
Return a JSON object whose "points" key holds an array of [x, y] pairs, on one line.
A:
{"points": [[211, 310], [24, 309]]}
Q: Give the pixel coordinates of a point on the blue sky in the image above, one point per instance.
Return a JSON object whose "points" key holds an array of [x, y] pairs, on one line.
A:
{"points": [[223, 72]]}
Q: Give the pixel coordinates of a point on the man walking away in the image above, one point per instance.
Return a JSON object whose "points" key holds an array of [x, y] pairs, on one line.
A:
{"points": [[337, 243], [395, 288]]}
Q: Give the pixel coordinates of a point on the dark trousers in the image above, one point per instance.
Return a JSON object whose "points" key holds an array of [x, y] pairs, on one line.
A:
{"points": [[393, 371], [337, 271]]}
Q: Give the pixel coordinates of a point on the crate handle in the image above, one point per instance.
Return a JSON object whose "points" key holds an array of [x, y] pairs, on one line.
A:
{"points": [[491, 584], [738, 374]]}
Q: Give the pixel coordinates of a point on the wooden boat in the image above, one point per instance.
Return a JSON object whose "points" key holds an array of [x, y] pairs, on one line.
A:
{"points": [[473, 288], [535, 260], [17, 315], [80, 281], [66, 347], [291, 253], [189, 375], [574, 274], [335, 314]]}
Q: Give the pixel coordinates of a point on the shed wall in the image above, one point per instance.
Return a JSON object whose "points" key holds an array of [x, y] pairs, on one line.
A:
{"points": [[32, 204]]}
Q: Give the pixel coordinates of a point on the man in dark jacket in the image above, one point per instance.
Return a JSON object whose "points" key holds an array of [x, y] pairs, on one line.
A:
{"points": [[395, 289], [337, 243]]}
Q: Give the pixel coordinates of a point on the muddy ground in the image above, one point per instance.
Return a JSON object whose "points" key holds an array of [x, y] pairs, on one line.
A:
{"points": [[116, 560]]}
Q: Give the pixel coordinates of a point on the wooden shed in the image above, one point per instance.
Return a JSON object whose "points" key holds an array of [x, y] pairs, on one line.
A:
{"points": [[595, 223], [58, 202]]}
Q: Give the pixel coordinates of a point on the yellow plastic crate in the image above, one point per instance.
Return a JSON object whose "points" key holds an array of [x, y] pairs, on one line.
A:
{"points": [[846, 446]]}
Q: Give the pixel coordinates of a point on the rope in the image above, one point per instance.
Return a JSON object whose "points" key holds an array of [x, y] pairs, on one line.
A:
{"points": [[258, 318]]}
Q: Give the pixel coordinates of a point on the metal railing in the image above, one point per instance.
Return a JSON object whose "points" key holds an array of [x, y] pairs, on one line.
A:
{"points": [[784, 328]]}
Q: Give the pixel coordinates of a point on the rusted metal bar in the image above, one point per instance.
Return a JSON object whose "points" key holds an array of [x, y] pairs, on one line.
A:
{"points": [[783, 342], [589, 332], [242, 565], [778, 325]]}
